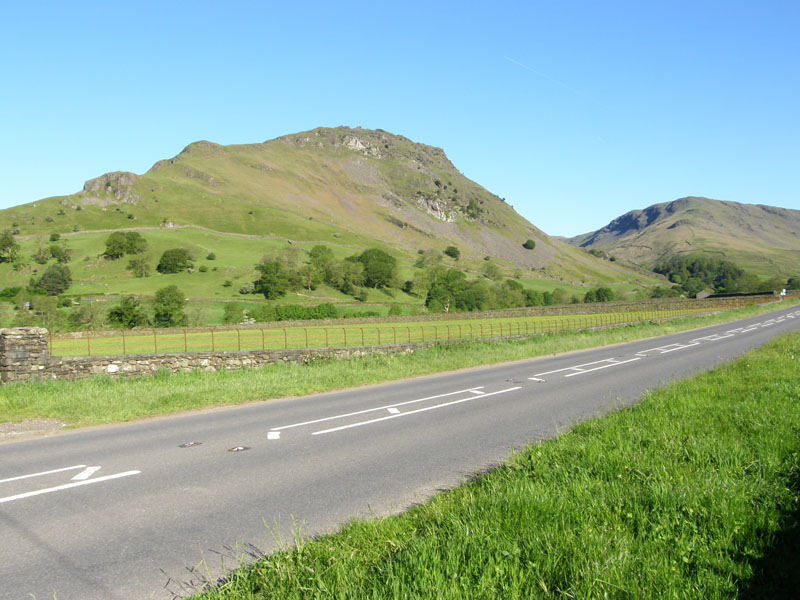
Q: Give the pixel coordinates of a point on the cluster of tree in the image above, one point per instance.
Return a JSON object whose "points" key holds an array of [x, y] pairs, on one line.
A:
{"points": [[448, 290], [167, 310], [60, 252], [694, 273], [601, 294], [121, 243], [237, 313], [280, 274]]}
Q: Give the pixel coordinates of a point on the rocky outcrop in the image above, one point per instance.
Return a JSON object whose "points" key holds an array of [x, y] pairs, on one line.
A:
{"points": [[118, 184]]}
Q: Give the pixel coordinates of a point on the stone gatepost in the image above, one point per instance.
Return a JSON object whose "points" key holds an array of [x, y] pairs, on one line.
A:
{"points": [[23, 353]]}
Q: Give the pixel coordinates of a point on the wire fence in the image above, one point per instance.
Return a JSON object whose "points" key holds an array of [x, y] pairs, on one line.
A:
{"points": [[212, 339]]}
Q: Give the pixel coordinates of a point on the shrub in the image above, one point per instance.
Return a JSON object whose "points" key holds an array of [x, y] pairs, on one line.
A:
{"points": [[529, 244], [453, 252], [129, 313]]}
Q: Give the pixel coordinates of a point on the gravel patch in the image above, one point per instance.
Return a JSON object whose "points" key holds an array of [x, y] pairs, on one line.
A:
{"points": [[29, 428]]}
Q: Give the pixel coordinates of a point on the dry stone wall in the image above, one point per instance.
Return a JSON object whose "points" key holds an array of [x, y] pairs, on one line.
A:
{"points": [[24, 356]]}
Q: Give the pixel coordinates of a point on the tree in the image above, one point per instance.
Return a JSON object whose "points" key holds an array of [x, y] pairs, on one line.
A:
{"points": [[168, 307], [9, 248], [274, 281], [115, 245], [61, 253], [529, 245], [321, 258], [129, 313], [453, 252], [55, 280], [140, 266], [380, 268], [89, 315], [492, 271], [174, 260], [793, 283], [134, 242]]}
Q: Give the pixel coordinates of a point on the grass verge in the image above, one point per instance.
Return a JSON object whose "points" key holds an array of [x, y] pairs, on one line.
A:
{"points": [[103, 400], [688, 494]]}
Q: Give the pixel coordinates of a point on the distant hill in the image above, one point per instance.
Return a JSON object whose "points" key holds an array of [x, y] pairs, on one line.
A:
{"points": [[349, 189], [762, 239]]}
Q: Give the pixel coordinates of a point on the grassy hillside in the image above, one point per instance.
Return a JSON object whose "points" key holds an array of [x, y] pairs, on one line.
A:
{"points": [[762, 239], [349, 189]]}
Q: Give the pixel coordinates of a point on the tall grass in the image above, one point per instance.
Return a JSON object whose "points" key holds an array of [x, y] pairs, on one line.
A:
{"points": [[103, 400], [680, 496]]}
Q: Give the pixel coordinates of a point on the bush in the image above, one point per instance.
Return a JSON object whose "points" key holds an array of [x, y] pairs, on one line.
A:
{"points": [[529, 244], [453, 252], [129, 313]]}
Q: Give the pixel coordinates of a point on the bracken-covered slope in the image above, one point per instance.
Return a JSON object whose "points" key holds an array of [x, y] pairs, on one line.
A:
{"points": [[340, 186], [763, 239]]}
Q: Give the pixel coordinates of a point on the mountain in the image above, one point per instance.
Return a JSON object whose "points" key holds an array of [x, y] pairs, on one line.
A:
{"points": [[347, 188], [762, 239]]}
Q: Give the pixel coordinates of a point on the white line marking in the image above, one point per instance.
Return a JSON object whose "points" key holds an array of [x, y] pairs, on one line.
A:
{"points": [[412, 412], [274, 435], [476, 392], [66, 486], [393, 410], [42, 473], [622, 362], [536, 379], [680, 348], [86, 473], [597, 362], [361, 412]]}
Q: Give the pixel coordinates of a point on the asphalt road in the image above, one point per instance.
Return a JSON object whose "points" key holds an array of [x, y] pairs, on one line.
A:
{"points": [[129, 511]]}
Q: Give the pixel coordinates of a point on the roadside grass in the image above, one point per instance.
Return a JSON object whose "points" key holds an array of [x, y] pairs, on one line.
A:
{"points": [[100, 399], [683, 495]]}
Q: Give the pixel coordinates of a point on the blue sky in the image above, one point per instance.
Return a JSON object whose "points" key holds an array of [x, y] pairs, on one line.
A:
{"points": [[575, 112]]}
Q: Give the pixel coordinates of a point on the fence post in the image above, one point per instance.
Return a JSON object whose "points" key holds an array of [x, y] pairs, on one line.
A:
{"points": [[394, 331], [155, 342], [345, 336], [123, 343], [305, 329], [88, 345], [379, 335], [238, 340], [285, 339], [213, 348], [263, 345], [185, 346]]}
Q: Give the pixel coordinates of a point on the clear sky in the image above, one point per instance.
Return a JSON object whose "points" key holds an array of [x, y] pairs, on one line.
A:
{"points": [[574, 112]]}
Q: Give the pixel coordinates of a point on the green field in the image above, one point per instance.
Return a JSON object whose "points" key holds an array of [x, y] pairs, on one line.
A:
{"points": [[692, 493]]}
